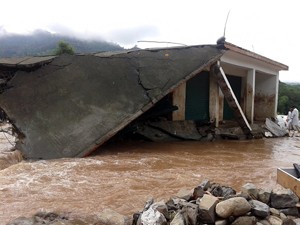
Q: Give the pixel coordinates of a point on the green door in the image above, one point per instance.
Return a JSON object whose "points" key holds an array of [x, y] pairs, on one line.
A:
{"points": [[236, 84], [197, 97]]}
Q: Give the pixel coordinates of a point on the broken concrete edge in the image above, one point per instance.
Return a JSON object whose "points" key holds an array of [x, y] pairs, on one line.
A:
{"points": [[26, 62], [111, 133]]}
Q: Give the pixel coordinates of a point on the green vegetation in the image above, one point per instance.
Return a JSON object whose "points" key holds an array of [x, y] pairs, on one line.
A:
{"points": [[64, 48], [288, 95]]}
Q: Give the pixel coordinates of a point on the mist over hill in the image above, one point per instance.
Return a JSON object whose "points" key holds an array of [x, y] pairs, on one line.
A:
{"points": [[43, 42]]}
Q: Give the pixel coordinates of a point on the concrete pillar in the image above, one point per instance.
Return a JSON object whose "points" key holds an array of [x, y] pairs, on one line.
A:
{"points": [[221, 105], [249, 95], [213, 99], [179, 101], [276, 94]]}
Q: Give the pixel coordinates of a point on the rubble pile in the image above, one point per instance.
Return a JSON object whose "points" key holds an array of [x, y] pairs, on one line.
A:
{"points": [[207, 204], [221, 205]]}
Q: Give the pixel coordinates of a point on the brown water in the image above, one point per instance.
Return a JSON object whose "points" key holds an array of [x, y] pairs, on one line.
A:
{"points": [[122, 177]]}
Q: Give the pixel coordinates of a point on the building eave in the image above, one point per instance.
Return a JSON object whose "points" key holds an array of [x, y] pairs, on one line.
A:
{"points": [[254, 55]]}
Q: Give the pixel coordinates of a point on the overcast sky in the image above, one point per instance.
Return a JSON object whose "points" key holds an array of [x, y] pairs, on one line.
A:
{"points": [[267, 27]]}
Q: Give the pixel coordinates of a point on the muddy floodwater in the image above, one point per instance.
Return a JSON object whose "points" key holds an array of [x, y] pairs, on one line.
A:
{"points": [[123, 176]]}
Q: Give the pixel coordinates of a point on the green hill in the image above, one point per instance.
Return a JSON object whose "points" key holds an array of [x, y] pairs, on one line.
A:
{"points": [[44, 43]]}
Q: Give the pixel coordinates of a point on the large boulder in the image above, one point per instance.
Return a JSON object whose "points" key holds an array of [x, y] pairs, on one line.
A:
{"points": [[259, 209], [178, 219], [111, 217], [237, 206], [207, 207], [153, 217], [283, 198], [191, 212]]}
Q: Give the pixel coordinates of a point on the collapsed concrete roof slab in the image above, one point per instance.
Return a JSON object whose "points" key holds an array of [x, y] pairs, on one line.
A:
{"points": [[72, 105]]}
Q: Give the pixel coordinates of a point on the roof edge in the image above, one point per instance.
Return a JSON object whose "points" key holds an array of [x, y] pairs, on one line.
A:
{"points": [[254, 55]]}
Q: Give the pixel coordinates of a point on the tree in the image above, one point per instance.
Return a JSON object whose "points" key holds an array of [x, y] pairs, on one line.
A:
{"points": [[283, 104], [64, 48], [288, 95]]}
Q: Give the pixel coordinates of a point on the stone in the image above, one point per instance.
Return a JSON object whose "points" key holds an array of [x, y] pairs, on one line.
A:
{"points": [[185, 194], [216, 190], [274, 212], [264, 222], [297, 221], [288, 221], [264, 195], [221, 222], [178, 219], [172, 204], [283, 198], [67, 223], [175, 203], [274, 220], [236, 206], [110, 217], [198, 192], [250, 189], [205, 184], [172, 214], [259, 209], [149, 202], [162, 208], [136, 218], [207, 207], [244, 195], [71, 222], [227, 192], [293, 211], [282, 216], [245, 220], [22, 221], [190, 211], [153, 217]]}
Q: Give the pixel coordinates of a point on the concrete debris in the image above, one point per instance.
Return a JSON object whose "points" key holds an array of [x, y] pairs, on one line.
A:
{"points": [[67, 106], [274, 129]]}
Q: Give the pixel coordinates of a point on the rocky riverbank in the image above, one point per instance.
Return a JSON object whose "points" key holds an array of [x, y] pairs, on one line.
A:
{"points": [[208, 203]]}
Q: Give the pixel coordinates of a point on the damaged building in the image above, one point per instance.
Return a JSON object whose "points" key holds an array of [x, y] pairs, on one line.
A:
{"points": [[69, 105]]}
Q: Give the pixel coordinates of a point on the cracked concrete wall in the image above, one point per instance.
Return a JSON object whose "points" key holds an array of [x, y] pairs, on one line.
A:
{"points": [[74, 104]]}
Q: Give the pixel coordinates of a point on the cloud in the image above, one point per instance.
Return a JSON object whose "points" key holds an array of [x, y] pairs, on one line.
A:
{"points": [[126, 37], [130, 36], [2, 31]]}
